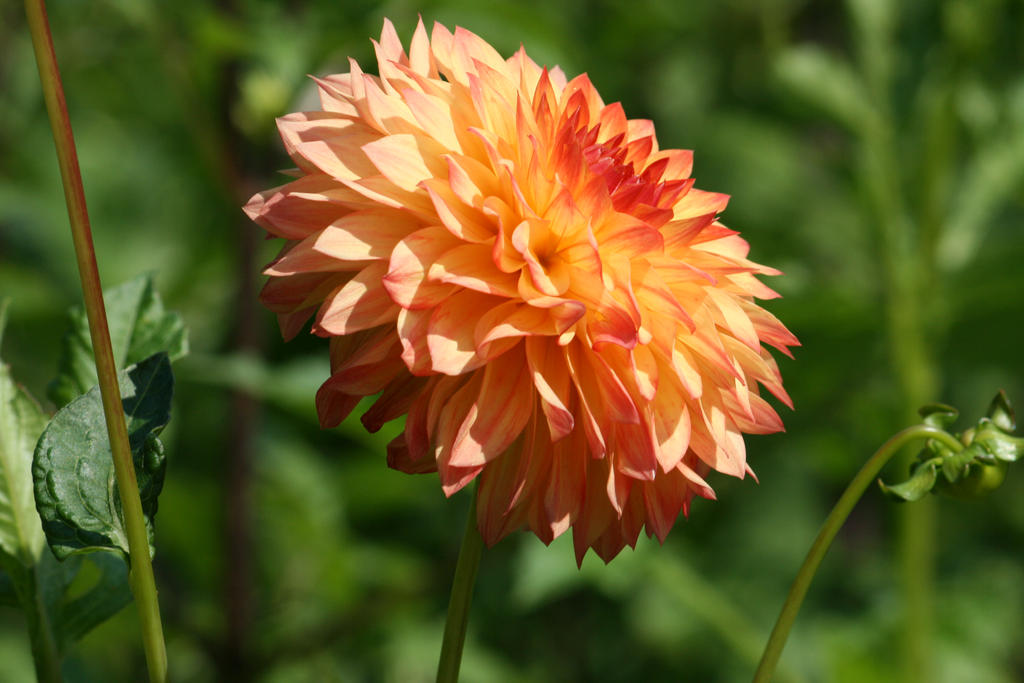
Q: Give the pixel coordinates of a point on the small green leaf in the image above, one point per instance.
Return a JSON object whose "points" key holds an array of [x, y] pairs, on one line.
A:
{"points": [[139, 327], [1001, 412], [997, 443], [76, 492], [920, 483], [77, 593], [955, 465], [21, 423], [938, 415]]}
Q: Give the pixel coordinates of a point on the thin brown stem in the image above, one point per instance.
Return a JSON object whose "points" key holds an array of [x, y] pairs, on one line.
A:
{"points": [[141, 576]]}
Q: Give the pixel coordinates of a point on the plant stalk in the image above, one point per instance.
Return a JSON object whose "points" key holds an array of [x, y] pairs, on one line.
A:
{"points": [[461, 598], [141, 576], [834, 522], [907, 257]]}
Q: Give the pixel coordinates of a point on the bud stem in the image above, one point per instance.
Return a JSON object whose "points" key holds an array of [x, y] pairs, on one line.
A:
{"points": [[461, 597], [834, 522]]}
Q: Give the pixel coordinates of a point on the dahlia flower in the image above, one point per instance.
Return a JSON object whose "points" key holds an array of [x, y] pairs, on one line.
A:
{"points": [[516, 267]]}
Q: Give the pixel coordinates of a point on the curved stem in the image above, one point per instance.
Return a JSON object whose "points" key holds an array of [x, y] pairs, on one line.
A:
{"points": [[141, 576], [834, 521], [462, 596]]}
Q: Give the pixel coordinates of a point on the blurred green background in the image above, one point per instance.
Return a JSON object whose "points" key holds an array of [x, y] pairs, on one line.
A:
{"points": [[874, 152]]}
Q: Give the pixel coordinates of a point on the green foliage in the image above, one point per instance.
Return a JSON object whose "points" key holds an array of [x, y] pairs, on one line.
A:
{"points": [[75, 489], [1001, 413], [167, 167], [21, 422], [976, 469], [75, 595], [32, 578], [139, 327], [921, 482], [939, 415], [105, 592]]}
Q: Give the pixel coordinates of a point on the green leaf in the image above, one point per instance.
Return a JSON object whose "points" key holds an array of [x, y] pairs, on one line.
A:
{"points": [[108, 595], [21, 423], [76, 492], [938, 415], [956, 465], [996, 442], [1001, 412], [920, 483], [139, 327], [78, 593]]}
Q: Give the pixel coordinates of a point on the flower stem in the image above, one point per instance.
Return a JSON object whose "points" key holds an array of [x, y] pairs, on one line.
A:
{"points": [[141, 576], [834, 521], [461, 597]]}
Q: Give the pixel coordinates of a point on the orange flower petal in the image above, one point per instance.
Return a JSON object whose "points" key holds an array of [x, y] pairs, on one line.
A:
{"points": [[497, 417], [359, 304], [450, 332]]}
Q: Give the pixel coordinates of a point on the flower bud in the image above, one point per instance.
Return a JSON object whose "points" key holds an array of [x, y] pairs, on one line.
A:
{"points": [[980, 480], [972, 472]]}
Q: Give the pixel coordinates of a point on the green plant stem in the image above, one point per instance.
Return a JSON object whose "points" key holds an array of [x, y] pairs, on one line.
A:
{"points": [[907, 312], [461, 598], [834, 521], [141, 576], [907, 256]]}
